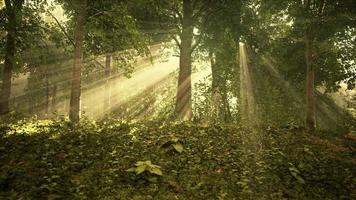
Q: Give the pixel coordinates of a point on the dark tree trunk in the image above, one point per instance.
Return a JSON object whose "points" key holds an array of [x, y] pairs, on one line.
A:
{"points": [[13, 14], [227, 111], [183, 108], [7, 74], [107, 83], [74, 110], [310, 76]]}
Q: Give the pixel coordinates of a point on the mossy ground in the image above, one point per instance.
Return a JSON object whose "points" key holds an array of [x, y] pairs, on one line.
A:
{"points": [[56, 160]]}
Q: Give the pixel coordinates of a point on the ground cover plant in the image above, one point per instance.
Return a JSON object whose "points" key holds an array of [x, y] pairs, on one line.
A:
{"points": [[59, 160]]}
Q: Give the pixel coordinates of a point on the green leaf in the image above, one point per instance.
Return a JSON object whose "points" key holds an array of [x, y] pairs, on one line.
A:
{"points": [[156, 171], [148, 163], [139, 163], [295, 173], [300, 180], [175, 140], [140, 169], [178, 147], [131, 170]]}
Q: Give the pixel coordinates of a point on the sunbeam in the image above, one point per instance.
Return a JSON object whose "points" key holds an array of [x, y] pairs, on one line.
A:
{"points": [[248, 104]]}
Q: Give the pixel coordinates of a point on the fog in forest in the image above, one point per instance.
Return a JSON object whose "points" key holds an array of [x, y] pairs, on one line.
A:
{"points": [[177, 99]]}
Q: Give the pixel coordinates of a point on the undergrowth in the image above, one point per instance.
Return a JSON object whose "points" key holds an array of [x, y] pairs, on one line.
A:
{"points": [[42, 159]]}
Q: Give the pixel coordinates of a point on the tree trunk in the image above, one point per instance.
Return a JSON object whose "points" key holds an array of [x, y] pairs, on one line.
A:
{"points": [[47, 89], [183, 108], [107, 83], [310, 98], [54, 99], [215, 89], [7, 74], [74, 110], [13, 15]]}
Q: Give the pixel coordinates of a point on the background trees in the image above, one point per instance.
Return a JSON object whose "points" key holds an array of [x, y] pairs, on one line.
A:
{"points": [[98, 39], [19, 24]]}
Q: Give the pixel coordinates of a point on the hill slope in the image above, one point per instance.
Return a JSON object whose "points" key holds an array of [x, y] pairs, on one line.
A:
{"points": [[55, 160]]}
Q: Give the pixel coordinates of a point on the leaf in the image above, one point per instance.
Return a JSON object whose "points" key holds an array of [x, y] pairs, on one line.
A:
{"points": [[295, 173], [293, 169], [300, 180], [139, 163], [178, 147], [131, 170], [140, 169], [148, 162], [174, 140], [156, 171]]}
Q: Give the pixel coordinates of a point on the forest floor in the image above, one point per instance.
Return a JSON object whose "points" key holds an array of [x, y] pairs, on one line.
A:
{"points": [[56, 160]]}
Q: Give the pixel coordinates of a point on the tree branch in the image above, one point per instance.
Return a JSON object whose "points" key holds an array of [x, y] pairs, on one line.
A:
{"points": [[177, 41], [198, 41], [62, 29], [177, 13]]}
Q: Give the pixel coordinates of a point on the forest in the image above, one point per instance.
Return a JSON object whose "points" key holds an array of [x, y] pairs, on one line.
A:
{"points": [[178, 99]]}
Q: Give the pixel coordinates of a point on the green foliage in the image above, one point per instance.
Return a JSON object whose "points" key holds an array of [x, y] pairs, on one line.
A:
{"points": [[146, 166], [175, 143], [57, 159], [288, 20]]}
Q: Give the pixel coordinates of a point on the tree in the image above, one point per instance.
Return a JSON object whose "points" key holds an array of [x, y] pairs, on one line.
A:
{"points": [[179, 19], [220, 41], [184, 92], [79, 34], [114, 33], [105, 27], [308, 29], [20, 28], [13, 10]]}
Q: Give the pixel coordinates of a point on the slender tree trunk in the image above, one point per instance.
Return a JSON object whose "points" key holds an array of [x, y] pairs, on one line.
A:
{"points": [[47, 89], [7, 75], [215, 89], [310, 76], [54, 99], [107, 83], [183, 108], [227, 111], [12, 13], [74, 110]]}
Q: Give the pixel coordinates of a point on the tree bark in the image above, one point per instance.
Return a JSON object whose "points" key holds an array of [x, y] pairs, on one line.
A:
{"points": [[310, 76], [107, 83], [54, 99], [7, 74], [183, 108], [215, 89], [47, 89], [74, 110], [13, 13]]}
